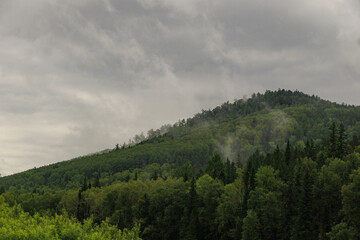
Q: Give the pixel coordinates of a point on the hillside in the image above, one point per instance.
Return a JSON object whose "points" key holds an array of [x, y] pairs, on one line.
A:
{"points": [[235, 130]]}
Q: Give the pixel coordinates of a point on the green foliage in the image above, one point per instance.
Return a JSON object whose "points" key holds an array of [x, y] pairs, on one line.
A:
{"points": [[266, 201], [303, 224], [327, 194], [252, 227], [229, 210], [235, 130], [300, 179], [16, 224], [216, 168], [342, 231], [351, 200], [209, 191]]}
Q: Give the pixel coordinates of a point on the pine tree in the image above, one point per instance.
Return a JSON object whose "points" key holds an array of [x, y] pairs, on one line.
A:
{"points": [[288, 153], [333, 140], [238, 162], [85, 186], [310, 149], [216, 168], [97, 181], [303, 220], [251, 227], [341, 143], [191, 214], [155, 176], [127, 178]]}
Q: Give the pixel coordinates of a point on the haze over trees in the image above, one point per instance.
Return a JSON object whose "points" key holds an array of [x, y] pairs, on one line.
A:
{"points": [[280, 165]]}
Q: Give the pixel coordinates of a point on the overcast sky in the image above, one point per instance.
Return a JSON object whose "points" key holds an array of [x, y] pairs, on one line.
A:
{"points": [[79, 76]]}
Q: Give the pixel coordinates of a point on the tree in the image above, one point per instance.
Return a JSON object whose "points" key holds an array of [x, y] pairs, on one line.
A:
{"points": [[85, 185], [229, 211], [266, 201], [342, 231], [97, 181], [310, 149], [342, 142], [288, 153], [303, 221], [16, 224], [191, 218], [230, 172], [333, 144], [351, 200], [327, 195], [155, 175], [209, 191], [215, 167], [186, 171], [168, 200], [251, 227]]}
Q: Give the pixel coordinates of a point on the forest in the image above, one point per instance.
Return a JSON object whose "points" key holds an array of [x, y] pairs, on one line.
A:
{"points": [[279, 165]]}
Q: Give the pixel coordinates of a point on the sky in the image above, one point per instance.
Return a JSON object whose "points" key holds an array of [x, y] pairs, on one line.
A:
{"points": [[79, 76]]}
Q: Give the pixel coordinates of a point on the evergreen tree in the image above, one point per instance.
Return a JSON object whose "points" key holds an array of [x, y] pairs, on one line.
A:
{"points": [[155, 175], [266, 200], [303, 220], [249, 185], [85, 185], [230, 172], [251, 227], [216, 168], [351, 201], [191, 219], [127, 178], [310, 149], [341, 143], [288, 153], [238, 162], [97, 181], [333, 140]]}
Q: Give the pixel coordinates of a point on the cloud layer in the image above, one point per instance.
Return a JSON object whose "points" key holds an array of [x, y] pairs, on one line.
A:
{"points": [[82, 75]]}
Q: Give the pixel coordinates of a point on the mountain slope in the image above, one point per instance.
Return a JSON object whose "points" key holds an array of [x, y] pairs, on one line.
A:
{"points": [[235, 130]]}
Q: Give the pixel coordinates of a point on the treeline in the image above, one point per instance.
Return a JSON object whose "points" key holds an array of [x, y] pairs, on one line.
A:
{"points": [[308, 191], [234, 130]]}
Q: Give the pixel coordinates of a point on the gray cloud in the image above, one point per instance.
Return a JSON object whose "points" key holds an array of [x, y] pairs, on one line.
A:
{"points": [[80, 76]]}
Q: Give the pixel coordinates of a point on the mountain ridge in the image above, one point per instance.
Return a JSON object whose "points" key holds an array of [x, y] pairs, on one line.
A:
{"points": [[235, 130]]}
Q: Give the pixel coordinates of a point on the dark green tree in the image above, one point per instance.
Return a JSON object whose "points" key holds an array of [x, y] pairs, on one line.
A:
{"points": [[303, 221], [288, 153], [333, 144], [97, 181], [251, 227], [342, 142], [351, 201], [216, 168]]}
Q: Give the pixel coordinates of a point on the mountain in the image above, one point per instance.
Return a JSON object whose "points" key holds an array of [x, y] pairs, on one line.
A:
{"points": [[235, 130]]}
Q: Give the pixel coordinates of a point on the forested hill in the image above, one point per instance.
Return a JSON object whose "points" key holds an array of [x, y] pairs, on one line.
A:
{"points": [[235, 130]]}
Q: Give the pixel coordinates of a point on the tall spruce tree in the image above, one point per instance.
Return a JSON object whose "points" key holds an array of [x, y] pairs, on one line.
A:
{"points": [[333, 140], [341, 142], [216, 168]]}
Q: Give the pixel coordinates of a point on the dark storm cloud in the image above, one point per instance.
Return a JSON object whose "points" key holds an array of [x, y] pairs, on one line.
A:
{"points": [[80, 76]]}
